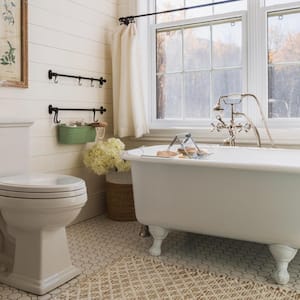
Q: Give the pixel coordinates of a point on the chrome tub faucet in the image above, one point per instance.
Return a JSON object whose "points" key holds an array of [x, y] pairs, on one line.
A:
{"points": [[233, 127]]}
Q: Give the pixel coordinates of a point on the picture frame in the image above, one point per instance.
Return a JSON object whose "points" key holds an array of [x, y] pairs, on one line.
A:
{"points": [[14, 43]]}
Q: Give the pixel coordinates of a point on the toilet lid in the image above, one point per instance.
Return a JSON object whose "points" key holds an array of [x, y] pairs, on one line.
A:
{"points": [[42, 183]]}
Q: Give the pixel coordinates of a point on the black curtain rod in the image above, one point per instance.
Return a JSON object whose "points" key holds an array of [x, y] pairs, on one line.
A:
{"points": [[130, 19]]}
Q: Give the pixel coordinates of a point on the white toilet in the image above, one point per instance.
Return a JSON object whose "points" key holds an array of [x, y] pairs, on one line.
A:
{"points": [[35, 208]]}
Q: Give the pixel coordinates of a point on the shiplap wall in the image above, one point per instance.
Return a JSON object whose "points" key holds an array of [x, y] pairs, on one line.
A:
{"points": [[71, 37]]}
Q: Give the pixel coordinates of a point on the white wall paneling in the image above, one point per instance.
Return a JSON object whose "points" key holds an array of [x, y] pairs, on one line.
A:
{"points": [[69, 37]]}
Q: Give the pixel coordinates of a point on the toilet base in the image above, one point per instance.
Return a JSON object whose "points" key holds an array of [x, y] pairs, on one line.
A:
{"points": [[41, 260], [39, 287]]}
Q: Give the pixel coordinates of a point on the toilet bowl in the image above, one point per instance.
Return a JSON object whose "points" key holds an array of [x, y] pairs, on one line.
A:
{"points": [[35, 210]]}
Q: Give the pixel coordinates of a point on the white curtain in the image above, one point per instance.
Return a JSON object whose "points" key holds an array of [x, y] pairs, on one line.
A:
{"points": [[128, 86]]}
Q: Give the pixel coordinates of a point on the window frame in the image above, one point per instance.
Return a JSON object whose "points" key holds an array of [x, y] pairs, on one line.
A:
{"points": [[282, 123], [158, 123], [255, 78]]}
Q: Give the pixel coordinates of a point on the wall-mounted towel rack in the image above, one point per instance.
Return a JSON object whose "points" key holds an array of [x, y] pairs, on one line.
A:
{"points": [[52, 109], [54, 75]]}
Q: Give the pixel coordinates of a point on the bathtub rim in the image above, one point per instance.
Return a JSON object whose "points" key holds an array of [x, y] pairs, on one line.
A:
{"points": [[132, 155]]}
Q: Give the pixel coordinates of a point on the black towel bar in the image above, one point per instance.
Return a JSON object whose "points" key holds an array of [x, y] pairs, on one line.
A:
{"points": [[52, 109], [54, 75]]}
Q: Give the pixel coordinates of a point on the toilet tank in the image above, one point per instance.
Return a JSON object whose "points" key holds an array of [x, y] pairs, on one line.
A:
{"points": [[14, 147]]}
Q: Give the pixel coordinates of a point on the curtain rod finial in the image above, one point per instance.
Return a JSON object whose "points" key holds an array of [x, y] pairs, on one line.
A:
{"points": [[126, 20]]}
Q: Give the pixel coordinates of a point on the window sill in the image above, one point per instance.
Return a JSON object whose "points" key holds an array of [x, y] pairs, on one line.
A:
{"points": [[282, 137]]}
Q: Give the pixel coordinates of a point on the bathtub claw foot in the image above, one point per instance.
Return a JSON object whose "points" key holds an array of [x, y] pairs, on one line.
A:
{"points": [[283, 255], [159, 234], [144, 231]]}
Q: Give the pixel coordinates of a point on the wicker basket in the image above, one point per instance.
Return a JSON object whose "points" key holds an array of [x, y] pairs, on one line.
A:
{"points": [[119, 200]]}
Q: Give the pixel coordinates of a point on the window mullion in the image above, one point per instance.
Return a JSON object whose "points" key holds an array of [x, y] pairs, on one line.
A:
{"points": [[211, 75], [182, 77], [257, 53], [153, 75]]}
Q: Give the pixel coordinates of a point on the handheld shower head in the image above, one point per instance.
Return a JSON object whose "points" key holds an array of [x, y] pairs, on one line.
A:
{"points": [[218, 106]]}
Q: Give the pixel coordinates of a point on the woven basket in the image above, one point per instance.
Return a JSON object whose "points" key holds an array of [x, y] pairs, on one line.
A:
{"points": [[119, 200]]}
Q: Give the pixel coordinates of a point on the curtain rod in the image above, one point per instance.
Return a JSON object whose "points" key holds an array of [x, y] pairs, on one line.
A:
{"points": [[130, 19]]}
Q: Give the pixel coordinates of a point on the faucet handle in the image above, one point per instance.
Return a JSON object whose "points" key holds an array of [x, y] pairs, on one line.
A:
{"points": [[213, 128], [247, 127], [239, 127], [217, 127]]}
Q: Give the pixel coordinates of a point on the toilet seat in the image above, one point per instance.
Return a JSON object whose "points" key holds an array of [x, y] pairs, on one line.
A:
{"points": [[41, 183], [46, 195], [37, 191]]}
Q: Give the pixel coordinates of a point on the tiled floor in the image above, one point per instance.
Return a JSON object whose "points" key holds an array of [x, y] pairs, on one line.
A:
{"points": [[98, 242]]}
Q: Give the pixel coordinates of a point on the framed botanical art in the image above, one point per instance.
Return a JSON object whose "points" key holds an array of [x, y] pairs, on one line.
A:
{"points": [[13, 43]]}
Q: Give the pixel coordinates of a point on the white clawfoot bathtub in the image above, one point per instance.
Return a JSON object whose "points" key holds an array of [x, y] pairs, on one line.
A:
{"points": [[248, 194]]}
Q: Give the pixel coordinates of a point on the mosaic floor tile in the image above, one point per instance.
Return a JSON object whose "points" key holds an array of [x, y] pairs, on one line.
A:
{"points": [[98, 242]]}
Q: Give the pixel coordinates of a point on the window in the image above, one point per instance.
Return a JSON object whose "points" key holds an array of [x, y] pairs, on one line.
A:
{"points": [[284, 64], [195, 65], [201, 54]]}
